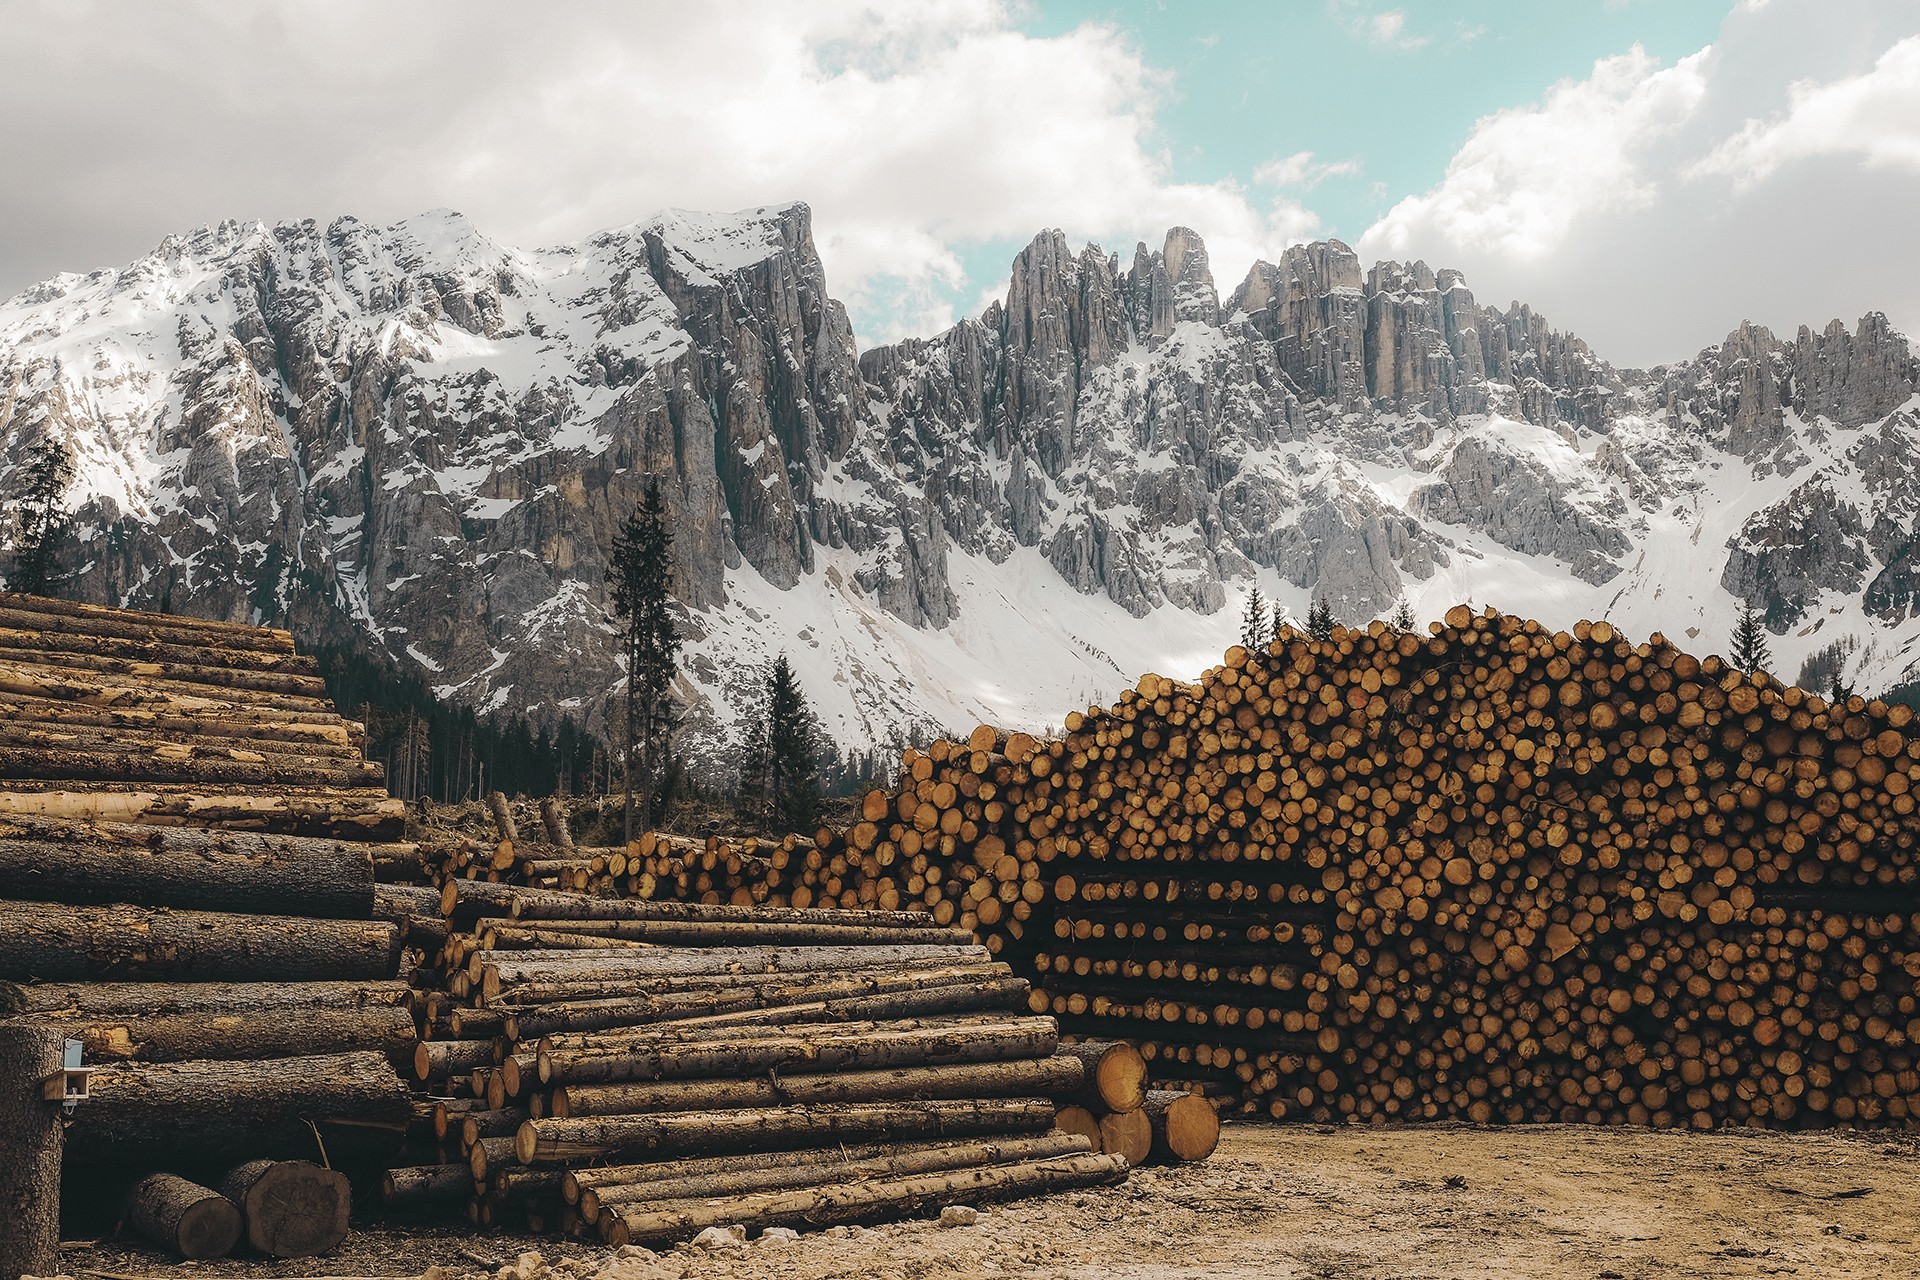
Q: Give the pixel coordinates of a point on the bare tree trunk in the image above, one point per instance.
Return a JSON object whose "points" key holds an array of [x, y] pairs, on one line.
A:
{"points": [[31, 1143]]}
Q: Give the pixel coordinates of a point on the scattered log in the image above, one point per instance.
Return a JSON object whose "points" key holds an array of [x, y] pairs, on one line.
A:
{"points": [[31, 1140], [56, 942], [193, 1221], [426, 1187], [293, 1208]]}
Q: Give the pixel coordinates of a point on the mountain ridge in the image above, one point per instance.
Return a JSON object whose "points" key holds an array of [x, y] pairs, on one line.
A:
{"points": [[420, 439]]}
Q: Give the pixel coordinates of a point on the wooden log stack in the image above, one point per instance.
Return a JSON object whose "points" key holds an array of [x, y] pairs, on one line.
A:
{"points": [[627, 1070], [1495, 872], [190, 843]]}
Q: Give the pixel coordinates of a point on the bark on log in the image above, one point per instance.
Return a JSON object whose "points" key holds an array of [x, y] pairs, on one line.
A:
{"points": [[1116, 1075], [25, 735], [503, 817], [223, 1112], [427, 1186], [729, 933], [31, 1140], [533, 904], [1020, 1078], [351, 814], [23, 631], [55, 942], [551, 1141], [57, 861], [857, 1201], [83, 1001], [105, 620], [533, 1022], [437, 1060], [234, 682], [202, 766], [193, 1221], [818, 1169], [1185, 1126], [293, 1208], [827, 1048], [577, 989], [555, 819], [286, 1031], [202, 719], [504, 969]]}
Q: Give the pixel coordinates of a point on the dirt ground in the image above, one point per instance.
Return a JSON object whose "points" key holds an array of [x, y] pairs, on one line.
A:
{"points": [[1300, 1203]]}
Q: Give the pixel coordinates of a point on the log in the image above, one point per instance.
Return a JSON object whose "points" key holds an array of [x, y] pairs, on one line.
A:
{"points": [[503, 817], [814, 1168], [727, 933], [84, 1001], [1126, 1133], [333, 813], [293, 1208], [440, 1059], [56, 942], [1115, 1075], [199, 766], [552, 1141], [237, 682], [1081, 1123], [503, 969], [831, 984], [269, 1031], [827, 1047], [31, 1141], [427, 1187], [223, 1112], [1025, 1077], [555, 820], [57, 861], [533, 904], [857, 1201], [1185, 1126], [183, 1217], [21, 631], [72, 617], [202, 718], [815, 990]]}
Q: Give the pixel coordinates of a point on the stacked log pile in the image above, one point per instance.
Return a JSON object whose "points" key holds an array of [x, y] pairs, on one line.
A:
{"points": [[1495, 872], [189, 840], [637, 1071]]}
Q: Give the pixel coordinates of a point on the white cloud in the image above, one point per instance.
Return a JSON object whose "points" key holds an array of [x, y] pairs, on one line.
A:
{"points": [[914, 129], [1527, 176], [1301, 170], [1875, 115], [1387, 28], [1622, 206]]}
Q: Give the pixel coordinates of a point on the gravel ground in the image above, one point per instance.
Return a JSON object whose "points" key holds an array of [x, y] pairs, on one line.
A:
{"points": [[1294, 1202]]}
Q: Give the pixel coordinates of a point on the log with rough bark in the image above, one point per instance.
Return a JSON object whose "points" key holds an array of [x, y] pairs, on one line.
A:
{"points": [[225, 766], [872, 979], [197, 717], [416, 910], [71, 617], [730, 933], [1185, 1127], [554, 817], [57, 942], [733, 1176], [264, 1030], [825, 1047], [503, 817], [856, 1201], [84, 1001], [531, 1022], [221, 681], [439, 1060], [503, 970], [193, 1221], [351, 1104], [552, 1141], [50, 860], [333, 813], [1020, 1077], [293, 1208], [31, 1142]]}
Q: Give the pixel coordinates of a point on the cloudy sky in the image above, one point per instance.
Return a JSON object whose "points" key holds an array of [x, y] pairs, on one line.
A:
{"points": [[1645, 172]]}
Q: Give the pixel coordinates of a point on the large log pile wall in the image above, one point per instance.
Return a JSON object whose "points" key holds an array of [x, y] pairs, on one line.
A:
{"points": [[1494, 872]]}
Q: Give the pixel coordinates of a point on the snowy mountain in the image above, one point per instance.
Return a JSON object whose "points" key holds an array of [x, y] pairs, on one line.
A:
{"points": [[421, 439]]}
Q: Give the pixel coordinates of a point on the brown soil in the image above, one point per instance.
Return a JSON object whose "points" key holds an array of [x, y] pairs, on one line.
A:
{"points": [[1279, 1203]]}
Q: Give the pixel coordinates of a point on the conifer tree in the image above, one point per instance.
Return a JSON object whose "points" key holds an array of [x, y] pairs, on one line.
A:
{"points": [[1750, 643], [40, 526], [1320, 619], [1403, 616], [641, 586], [1253, 621], [793, 779]]}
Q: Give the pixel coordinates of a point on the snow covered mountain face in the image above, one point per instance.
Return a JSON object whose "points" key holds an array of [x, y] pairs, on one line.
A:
{"points": [[418, 438]]}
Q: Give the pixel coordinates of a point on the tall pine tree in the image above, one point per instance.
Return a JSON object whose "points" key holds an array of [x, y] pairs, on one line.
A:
{"points": [[1750, 651], [1253, 621], [793, 748], [641, 585], [1320, 619], [40, 525]]}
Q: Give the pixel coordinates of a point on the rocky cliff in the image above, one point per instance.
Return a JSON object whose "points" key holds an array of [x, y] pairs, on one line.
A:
{"points": [[421, 439]]}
